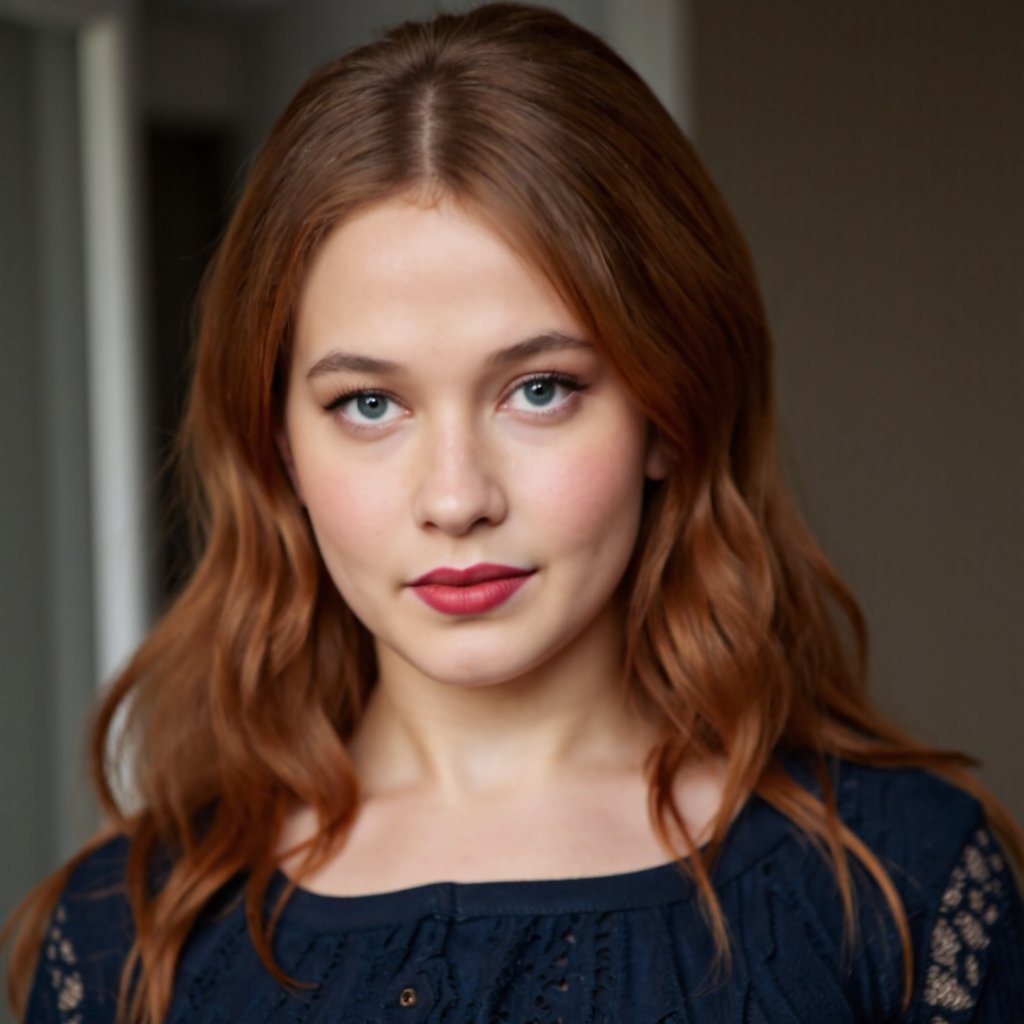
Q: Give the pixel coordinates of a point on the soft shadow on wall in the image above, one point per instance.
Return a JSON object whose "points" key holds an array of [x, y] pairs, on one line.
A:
{"points": [[873, 155]]}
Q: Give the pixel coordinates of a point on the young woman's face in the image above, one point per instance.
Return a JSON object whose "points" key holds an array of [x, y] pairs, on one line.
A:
{"points": [[445, 411]]}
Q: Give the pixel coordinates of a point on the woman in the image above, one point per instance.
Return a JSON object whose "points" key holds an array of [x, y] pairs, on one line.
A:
{"points": [[501, 604]]}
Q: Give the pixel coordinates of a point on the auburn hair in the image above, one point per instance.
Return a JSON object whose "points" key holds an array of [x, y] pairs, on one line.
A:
{"points": [[740, 636]]}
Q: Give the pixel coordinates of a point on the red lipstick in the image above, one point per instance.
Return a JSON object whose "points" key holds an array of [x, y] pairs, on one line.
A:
{"points": [[471, 591]]}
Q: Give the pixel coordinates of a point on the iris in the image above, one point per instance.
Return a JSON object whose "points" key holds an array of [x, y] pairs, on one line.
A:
{"points": [[372, 406], [540, 392]]}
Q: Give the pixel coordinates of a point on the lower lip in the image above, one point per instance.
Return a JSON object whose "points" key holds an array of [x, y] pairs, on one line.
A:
{"points": [[470, 600]]}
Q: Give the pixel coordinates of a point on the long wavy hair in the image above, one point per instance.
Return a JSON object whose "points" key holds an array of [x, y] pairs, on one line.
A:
{"points": [[739, 635]]}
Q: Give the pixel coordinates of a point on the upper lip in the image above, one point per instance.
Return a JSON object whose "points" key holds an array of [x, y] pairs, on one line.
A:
{"points": [[471, 574]]}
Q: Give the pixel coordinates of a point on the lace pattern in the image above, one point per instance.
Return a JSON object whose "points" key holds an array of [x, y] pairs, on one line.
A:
{"points": [[968, 913], [61, 967]]}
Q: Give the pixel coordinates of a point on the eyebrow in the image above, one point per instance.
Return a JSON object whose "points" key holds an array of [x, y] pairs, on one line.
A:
{"points": [[550, 341]]}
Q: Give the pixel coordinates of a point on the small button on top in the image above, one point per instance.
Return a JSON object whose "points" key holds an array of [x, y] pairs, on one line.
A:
{"points": [[408, 997]]}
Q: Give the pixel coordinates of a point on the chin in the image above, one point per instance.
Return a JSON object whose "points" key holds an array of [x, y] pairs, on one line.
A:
{"points": [[470, 666], [475, 673]]}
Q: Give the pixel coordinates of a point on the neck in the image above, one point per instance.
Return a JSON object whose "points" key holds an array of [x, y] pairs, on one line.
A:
{"points": [[572, 715]]}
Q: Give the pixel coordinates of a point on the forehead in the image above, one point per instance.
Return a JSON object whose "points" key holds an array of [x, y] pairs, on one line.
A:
{"points": [[400, 278]]}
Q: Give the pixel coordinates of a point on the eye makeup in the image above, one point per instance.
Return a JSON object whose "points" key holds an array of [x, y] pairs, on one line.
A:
{"points": [[539, 390]]}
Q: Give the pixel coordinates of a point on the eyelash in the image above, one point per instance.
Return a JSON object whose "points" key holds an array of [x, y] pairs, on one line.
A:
{"points": [[572, 384]]}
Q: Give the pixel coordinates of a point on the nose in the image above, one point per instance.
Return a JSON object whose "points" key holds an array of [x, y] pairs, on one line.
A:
{"points": [[458, 486]]}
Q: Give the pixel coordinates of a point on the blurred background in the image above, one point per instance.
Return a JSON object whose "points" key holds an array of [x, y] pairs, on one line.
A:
{"points": [[873, 154]]}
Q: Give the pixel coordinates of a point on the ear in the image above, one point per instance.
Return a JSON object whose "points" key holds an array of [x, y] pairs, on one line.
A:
{"points": [[284, 449], [656, 464]]}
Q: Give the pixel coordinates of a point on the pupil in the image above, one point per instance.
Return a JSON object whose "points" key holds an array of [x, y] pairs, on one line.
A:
{"points": [[371, 406], [541, 392]]}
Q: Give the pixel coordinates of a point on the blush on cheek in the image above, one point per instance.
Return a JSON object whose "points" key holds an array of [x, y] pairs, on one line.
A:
{"points": [[348, 515], [596, 491], [343, 490]]}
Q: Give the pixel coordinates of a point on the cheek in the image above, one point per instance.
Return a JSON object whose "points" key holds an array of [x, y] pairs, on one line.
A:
{"points": [[592, 495], [350, 514]]}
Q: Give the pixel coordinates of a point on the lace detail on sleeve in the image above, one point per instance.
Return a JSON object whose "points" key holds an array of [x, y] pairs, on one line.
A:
{"points": [[968, 913], [61, 963]]}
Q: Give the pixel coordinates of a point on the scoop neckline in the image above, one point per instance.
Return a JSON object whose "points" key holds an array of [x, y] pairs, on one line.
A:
{"points": [[756, 830]]}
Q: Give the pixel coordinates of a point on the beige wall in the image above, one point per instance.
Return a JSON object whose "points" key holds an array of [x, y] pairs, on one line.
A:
{"points": [[874, 155]]}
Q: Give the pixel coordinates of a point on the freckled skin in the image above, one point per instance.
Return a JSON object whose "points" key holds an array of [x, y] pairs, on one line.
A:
{"points": [[461, 468]]}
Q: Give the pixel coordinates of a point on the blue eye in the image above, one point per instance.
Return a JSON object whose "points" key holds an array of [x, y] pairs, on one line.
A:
{"points": [[549, 392], [363, 408], [540, 392], [372, 406], [546, 394]]}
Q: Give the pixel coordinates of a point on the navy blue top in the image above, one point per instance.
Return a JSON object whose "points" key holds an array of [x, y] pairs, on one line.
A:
{"points": [[621, 949]]}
